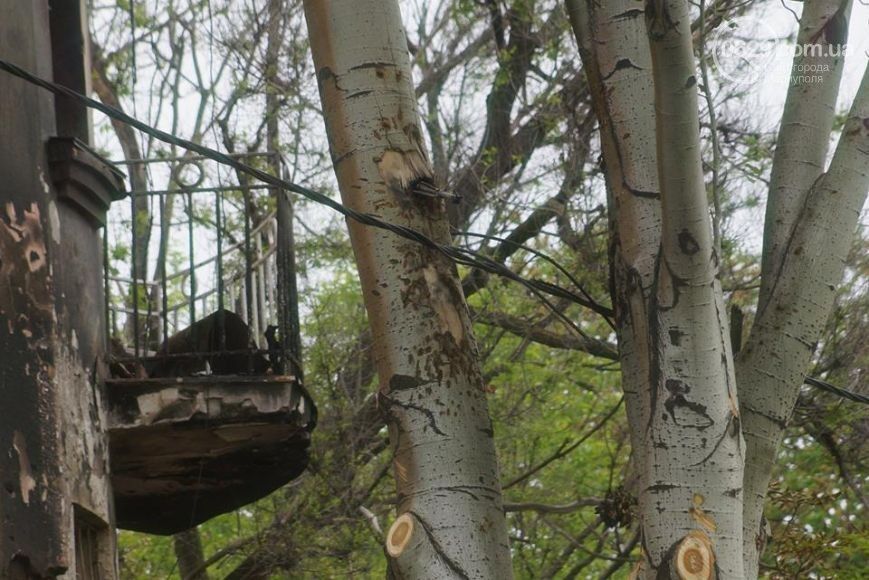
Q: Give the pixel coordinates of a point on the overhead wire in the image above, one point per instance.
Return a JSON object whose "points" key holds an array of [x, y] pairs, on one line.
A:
{"points": [[838, 391], [458, 255], [585, 300]]}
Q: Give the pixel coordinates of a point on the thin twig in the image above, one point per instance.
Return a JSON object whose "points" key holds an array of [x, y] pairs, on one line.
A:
{"points": [[713, 128]]}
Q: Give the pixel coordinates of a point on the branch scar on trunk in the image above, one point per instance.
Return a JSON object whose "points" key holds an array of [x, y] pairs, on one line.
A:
{"points": [[700, 516], [402, 170], [443, 303]]}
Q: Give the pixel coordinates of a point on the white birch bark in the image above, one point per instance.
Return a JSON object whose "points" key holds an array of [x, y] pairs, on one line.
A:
{"points": [[804, 134], [671, 319], [786, 329], [614, 47], [677, 368], [451, 522], [691, 504]]}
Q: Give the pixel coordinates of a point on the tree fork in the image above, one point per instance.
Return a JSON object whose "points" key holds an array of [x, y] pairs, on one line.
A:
{"points": [[772, 364]]}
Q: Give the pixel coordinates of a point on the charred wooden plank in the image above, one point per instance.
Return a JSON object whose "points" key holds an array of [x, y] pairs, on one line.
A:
{"points": [[186, 449]]}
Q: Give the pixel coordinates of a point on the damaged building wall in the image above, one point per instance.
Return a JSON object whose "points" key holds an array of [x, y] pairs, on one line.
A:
{"points": [[54, 474]]}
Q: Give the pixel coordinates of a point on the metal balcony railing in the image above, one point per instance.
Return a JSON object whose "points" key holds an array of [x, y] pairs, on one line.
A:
{"points": [[187, 263]]}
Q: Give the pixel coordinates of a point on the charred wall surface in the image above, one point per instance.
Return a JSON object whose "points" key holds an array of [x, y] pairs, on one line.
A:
{"points": [[54, 468]]}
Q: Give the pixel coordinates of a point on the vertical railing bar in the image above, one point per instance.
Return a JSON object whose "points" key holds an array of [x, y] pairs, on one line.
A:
{"points": [[158, 325], [164, 282], [271, 275], [261, 289], [221, 317], [192, 261], [149, 313], [254, 317], [248, 270], [134, 274]]}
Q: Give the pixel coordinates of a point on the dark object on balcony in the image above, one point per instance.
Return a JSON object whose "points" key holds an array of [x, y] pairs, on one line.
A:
{"points": [[221, 342], [202, 417]]}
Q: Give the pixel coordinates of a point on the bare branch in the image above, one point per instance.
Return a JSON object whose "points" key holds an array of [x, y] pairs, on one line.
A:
{"points": [[525, 329]]}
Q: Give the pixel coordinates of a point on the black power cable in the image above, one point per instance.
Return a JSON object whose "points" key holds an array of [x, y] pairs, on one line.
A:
{"points": [[458, 255], [838, 391]]}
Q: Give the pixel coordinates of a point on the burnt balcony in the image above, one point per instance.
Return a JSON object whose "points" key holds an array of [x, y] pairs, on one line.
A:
{"points": [[184, 450], [205, 403]]}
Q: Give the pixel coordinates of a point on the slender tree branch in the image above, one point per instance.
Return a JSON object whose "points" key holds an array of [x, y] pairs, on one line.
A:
{"points": [[528, 330], [565, 448], [545, 508]]}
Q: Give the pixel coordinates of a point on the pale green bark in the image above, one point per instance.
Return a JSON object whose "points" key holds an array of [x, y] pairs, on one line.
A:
{"points": [[677, 370], [694, 462], [683, 414], [800, 157], [786, 329], [614, 47], [804, 134], [431, 389]]}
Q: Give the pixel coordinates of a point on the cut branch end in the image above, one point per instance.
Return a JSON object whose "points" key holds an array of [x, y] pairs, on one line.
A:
{"points": [[399, 535], [694, 558]]}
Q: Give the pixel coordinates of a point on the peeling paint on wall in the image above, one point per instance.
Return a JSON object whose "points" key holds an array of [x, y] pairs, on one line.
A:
{"points": [[25, 280], [45, 187], [26, 483], [54, 220]]}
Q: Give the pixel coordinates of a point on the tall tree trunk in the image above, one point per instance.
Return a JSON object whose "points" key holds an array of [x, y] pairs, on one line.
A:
{"points": [[767, 394], [788, 325], [803, 139], [615, 53], [675, 327], [288, 300], [188, 552], [451, 523], [108, 94], [677, 369], [691, 504]]}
